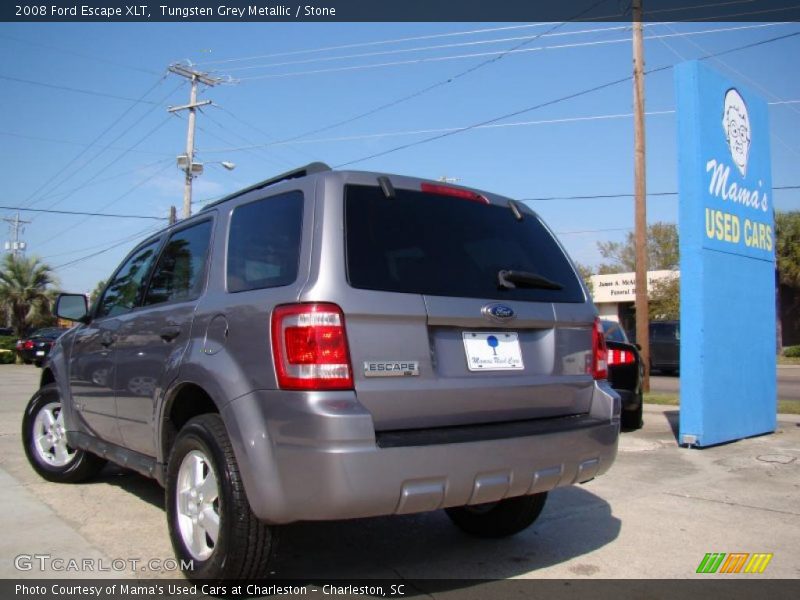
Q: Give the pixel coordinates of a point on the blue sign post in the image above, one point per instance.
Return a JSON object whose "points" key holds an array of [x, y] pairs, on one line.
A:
{"points": [[727, 249]]}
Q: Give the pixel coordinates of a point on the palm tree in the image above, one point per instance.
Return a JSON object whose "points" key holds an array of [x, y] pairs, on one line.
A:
{"points": [[24, 291]]}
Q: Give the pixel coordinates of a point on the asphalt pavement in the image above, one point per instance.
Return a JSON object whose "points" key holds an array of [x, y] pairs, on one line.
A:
{"points": [[788, 378], [655, 514]]}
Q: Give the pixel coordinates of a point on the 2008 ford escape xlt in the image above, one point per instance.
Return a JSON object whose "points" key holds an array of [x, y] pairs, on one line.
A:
{"points": [[330, 345]]}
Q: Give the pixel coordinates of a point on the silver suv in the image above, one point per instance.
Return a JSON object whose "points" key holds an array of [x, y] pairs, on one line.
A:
{"points": [[330, 345]]}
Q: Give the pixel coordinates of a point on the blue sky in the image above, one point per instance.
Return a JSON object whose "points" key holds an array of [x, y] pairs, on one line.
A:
{"points": [[581, 146]]}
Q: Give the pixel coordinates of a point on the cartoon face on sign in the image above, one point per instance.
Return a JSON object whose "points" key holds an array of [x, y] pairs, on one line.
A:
{"points": [[736, 123]]}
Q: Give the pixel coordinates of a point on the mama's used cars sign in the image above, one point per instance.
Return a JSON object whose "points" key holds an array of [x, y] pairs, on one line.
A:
{"points": [[727, 246]]}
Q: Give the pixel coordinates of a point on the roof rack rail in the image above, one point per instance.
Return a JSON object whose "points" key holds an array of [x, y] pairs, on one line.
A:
{"points": [[309, 169]]}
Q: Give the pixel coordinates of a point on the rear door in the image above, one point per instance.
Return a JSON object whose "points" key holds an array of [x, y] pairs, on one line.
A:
{"points": [[437, 336]]}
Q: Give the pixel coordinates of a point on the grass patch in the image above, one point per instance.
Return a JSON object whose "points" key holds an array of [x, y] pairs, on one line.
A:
{"points": [[664, 399], [788, 360], [788, 407]]}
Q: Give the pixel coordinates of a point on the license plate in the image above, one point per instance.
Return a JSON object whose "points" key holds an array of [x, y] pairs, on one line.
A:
{"points": [[40, 353], [493, 351]]}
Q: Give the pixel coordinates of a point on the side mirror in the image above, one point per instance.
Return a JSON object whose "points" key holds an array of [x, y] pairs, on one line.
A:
{"points": [[72, 307]]}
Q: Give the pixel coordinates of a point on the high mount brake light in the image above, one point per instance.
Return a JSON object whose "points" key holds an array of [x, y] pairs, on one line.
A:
{"points": [[309, 344], [446, 190], [599, 366]]}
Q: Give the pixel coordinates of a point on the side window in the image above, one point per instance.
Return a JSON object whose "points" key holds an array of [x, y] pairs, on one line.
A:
{"points": [[264, 243], [123, 291], [180, 270]]}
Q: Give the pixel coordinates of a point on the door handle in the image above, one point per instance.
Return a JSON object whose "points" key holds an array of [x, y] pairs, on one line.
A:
{"points": [[170, 332]]}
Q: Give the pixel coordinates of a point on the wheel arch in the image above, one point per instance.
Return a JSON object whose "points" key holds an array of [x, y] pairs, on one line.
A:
{"points": [[183, 402]]}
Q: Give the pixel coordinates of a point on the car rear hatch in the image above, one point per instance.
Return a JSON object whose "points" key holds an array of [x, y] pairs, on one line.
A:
{"points": [[464, 310]]}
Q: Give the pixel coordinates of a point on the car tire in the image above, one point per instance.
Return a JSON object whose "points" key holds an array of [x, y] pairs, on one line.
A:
{"points": [[211, 525], [632, 419], [498, 519], [44, 440]]}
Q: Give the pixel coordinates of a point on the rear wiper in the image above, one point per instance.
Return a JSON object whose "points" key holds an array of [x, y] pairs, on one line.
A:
{"points": [[510, 279]]}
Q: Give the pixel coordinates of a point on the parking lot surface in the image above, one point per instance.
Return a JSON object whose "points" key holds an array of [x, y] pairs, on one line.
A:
{"points": [[655, 514]]}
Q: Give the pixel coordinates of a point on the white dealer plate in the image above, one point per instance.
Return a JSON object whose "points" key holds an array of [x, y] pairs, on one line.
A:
{"points": [[40, 353], [492, 350]]}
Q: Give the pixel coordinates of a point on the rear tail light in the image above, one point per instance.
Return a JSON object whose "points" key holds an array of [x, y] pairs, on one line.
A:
{"points": [[309, 344], [599, 367], [620, 357], [446, 190], [28, 345]]}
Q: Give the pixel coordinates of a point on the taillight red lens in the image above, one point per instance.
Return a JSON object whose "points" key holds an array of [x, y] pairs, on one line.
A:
{"points": [[619, 357], [599, 366], [309, 344], [446, 190], [28, 345]]}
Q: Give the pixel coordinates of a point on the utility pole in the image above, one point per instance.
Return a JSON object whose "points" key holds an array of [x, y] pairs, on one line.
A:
{"points": [[186, 161], [173, 217], [640, 194], [16, 246]]}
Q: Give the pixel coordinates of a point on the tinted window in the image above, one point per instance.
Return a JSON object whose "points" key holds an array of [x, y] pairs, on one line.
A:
{"points": [[264, 243], [663, 332], [180, 271], [429, 244], [614, 332], [123, 292]]}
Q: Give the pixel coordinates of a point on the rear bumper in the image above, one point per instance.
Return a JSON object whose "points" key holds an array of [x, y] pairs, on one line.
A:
{"points": [[314, 456]]}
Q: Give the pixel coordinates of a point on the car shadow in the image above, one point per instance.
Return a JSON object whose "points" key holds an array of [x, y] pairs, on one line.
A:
{"points": [[673, 418], [143, 487], [428, 546], [426, 550]]}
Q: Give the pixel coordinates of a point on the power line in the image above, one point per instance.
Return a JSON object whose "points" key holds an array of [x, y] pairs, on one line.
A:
{"points": [[426, 48], [109, 204], [109, 178], [98, 253], [37, 138], [456, 34], [443, 82], [80, 54], [556, 101], [94, 141], [73, 89], [131, 237], [432, 59], [114, 160], [75, 212], [627, 195], [124, 153], [373, 43], [367, 136]]}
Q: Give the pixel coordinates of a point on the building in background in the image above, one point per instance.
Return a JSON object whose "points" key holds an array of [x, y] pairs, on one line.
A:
{"points": [[615, 295]]}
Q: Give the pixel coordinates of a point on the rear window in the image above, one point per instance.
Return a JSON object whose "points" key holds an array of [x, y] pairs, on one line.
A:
{"points": [[421, 243], [264, 243]]}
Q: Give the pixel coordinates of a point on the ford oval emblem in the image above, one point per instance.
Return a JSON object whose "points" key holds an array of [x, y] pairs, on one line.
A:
{"points": [[498, 312]]}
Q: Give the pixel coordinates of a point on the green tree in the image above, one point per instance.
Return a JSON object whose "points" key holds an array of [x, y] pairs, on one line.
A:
{"points": [[26, 291], [787, 250], [98, 289], [665, 299], [662, 250], [787, 255], [586, 272]]}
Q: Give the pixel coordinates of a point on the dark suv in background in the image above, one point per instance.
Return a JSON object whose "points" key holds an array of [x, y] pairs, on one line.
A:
{"points": [[330, 345], [665, 346]]}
